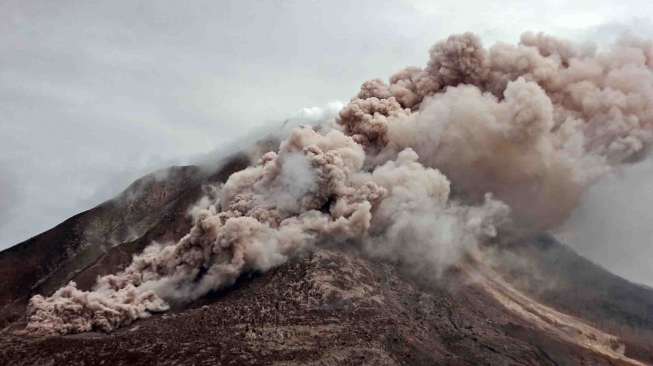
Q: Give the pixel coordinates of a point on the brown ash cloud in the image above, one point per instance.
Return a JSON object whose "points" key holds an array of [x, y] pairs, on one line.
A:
{"points": [[420, 169]]}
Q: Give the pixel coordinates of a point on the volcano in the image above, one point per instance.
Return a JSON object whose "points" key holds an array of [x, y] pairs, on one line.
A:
{"points": [[330, 306], [415, 227]]}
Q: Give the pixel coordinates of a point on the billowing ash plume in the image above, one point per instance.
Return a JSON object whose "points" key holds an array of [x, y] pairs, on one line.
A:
{"points": [[418, 169]]}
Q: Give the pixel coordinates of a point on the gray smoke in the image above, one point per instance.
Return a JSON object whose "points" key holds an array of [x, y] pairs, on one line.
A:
{"points": [[419, 169]]}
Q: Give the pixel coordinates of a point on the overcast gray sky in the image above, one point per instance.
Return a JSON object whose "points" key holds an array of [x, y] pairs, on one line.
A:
{"points": [[93, 94]]}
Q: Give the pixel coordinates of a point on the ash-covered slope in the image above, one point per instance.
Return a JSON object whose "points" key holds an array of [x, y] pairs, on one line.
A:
{"points": [[334, 305]]}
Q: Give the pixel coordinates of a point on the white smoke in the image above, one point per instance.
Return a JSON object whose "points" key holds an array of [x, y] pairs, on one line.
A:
{"points": [[417, 170]]}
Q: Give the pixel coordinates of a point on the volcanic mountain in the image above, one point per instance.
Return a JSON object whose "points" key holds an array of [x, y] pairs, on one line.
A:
{"points": [[412, 228], [333, 305]]}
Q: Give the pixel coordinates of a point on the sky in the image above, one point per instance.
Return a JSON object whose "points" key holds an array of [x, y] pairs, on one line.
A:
{"points": [[94, 94], [613, 227]]}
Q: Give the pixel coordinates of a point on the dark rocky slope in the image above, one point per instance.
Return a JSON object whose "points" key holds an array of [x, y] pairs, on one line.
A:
{"points": [[331, 307]]}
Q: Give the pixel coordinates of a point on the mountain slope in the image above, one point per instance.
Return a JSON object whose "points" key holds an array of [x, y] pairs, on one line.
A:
{"points": [[329, 306], [104, 238], [326, 308]]}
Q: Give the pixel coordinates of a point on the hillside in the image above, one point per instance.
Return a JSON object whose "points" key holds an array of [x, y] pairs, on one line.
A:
{"points": [[540, 303]]}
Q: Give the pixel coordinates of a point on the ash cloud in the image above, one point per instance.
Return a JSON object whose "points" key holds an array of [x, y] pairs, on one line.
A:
{"points": [[420, 169]]}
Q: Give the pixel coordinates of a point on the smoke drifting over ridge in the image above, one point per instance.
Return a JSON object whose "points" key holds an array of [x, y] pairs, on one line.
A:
{"points": [[418, 169]]}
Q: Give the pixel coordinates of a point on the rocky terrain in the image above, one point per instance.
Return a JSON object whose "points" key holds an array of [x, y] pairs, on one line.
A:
{"points": [[536, 303]]}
